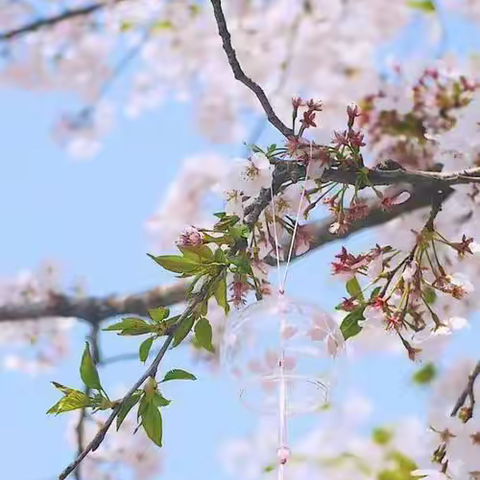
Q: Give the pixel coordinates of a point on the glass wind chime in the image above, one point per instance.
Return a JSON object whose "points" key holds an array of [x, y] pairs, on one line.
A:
{"points": [[282, 352]]}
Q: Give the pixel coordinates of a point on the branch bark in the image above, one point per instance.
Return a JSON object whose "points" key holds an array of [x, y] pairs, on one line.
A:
{"points": [[467, 392], [95, 309]]}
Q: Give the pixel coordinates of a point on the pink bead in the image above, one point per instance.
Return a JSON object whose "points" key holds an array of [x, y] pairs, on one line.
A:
{"points": [[283, 454]]}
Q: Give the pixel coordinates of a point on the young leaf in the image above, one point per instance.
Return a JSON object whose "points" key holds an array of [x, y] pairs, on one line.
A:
{"points": [[375, 293], [199, 254], [152, 423], [221, 294], [429, 295], [203, 334], [131, 326], [159, 400], [127, 406], [144, 349], [381, 436], [176, 263], [183, 330], [350, 326], [354, 289], [178, 374], [88, 370], [73, 400], [427, 6], [425, 375], [220, 256], [158, 314]]}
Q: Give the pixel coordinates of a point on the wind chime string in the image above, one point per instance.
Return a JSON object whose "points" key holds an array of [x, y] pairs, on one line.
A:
{"points": [[283, 451]]}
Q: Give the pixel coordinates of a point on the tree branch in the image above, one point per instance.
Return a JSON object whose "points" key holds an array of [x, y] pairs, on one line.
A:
{"points": [[99, 437], [321, 235], [467, 392], [240, 75], [93, 310], [51, 21], [152, 370], [414, 177]]}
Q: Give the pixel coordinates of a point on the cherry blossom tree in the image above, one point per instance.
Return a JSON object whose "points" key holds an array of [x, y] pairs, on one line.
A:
{"points": [[397, 149]]}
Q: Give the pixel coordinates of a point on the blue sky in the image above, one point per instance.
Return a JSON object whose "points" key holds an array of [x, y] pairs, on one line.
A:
{"points": [[90, 217]]}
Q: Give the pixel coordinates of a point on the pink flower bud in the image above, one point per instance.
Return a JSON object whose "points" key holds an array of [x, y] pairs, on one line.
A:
{"points": [[283, 454]]}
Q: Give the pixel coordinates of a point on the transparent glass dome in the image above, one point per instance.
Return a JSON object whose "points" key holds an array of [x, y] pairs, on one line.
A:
{"points": [[281, 338]]}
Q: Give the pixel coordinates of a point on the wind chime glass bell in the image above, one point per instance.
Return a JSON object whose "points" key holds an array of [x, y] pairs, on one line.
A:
{"points": [[282, 350]]}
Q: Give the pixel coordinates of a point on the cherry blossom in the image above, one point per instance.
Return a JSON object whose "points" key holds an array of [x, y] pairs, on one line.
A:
{"points": [[251, 175]]}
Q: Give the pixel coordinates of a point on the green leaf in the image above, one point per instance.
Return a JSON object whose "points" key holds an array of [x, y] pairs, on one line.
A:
{"points": [[429, 295], [404, 463], [239, 231], [144, 349], [127, 406], [162, 25], [354, 289], [177, 264], [125, 26], [241, 262], [183, 330], [220, 256], [425, 375], [152, 423], [199, 254], [131, 326], [225, 223], [221, 294], [88, 370], [159, 400], [178, 374], [349, 326], [73, 400], [158, 314], [203, 334], [381, 436], [269, 468], [375, 293], [427, 6]]}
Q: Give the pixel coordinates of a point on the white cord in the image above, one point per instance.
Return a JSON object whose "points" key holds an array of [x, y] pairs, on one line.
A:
{"points": [[283, 451]]}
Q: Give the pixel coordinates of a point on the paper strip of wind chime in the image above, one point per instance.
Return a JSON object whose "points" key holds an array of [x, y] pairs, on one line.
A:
{"points": [[282, 350]]}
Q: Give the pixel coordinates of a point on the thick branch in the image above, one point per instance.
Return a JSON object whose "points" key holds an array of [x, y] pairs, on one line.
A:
{"points": [[240, 75], [414, 177], [467, 392], [51, 21], [93, 310], [420, 198]]}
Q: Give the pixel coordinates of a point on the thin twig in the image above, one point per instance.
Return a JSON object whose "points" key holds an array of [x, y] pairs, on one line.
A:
{"points": [[467, 391], [54, 20], [240, 75], [99, 437]]}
